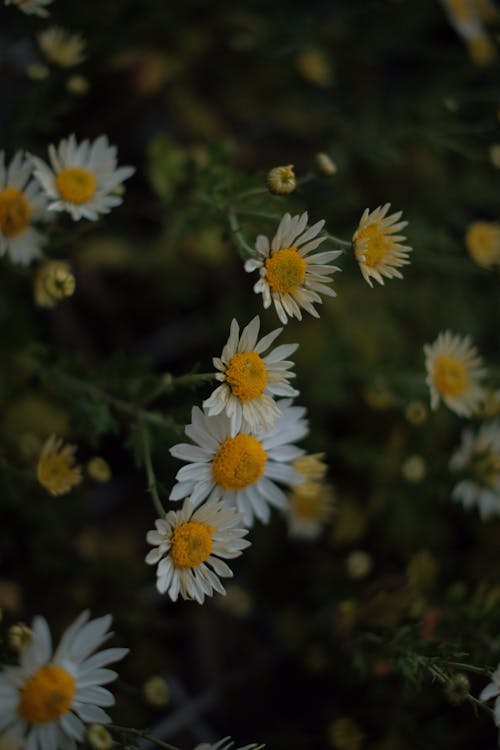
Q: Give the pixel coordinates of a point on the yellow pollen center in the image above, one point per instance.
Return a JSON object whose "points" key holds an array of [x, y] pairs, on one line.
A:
{"points": [[450, 376], [191, 544], [15, 212], [76, 185], [46, 695], [239, 462], [286, 270], [247, 375], [372, 243], [55, 473]]}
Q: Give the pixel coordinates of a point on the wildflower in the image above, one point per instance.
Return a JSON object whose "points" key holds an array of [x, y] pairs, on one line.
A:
{"points": [[376, 246], [97, 737], [310, 503], [249, 381], [61, 47], [454, 370], [82, 179], [492, 690], [31, 7], [226, 744], [478, 460], [156, 692], [325, 165], [49, 696], [289, 276], [281, 180], [457, 689], [482, 240], [21, 204], [189, 545], [56, 469], [239, 469], [99, 470], [54, 281], [19, 636], [311, 466]]}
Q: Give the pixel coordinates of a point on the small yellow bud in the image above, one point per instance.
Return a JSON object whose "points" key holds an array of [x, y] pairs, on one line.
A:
{"points": [[156, 692], [414, 469], [19, 636], [54, 282], [457, 689], [37, 72], [315, 67], [358, 564], [482, 241], [281, 180], [98, 469], [325, 165], [98, 737], [78, 85], [416, 412]]}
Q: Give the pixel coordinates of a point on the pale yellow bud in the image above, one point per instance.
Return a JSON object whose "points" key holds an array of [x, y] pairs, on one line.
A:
{"points": [[78, 85], [98, 737], [156, 692], [281, 180], [54, 282], [414, 469], [325, 165], [19, 636], [98, 469], [416, 412], [359, 564]]}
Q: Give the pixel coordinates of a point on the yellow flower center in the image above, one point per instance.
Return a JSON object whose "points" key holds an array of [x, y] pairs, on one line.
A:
{"points": [[76, 185], [239, 462], [15, 212], [247, 375], [372, 243], [450, 376], [191, 544], [286, 270], [56, 474], [46, 695]]}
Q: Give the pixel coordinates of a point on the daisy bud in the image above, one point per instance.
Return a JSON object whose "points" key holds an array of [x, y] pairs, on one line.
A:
{"points": [[325, 165], [457, 689], [281, 180], [77, 85], [99, 470], [156, 692], [98, 737], [416, 412], [19, 636], [414, 469], [54, 282], [359, 564], [482, 241]]}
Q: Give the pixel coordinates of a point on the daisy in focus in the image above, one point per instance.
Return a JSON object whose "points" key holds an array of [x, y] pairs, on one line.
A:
{"points": [[21, 203], [249, 381], [61, 47], [82, 179], [310, 503], [56, 469], [240, 469], [31, 7], [48, 697], [492, 690], [290, 277], [189, 545], [454, 370], [377, 245], [225, 744], [478, 461]]}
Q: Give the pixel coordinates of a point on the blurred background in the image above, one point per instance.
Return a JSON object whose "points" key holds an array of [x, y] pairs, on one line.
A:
{"points": [[321, 643]]}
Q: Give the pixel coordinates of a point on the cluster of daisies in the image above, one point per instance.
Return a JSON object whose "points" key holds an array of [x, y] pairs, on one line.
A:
{"points": [[80, 179], [455, 376]]}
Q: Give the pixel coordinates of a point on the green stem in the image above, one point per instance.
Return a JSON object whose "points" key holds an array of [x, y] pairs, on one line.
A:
{"points": [[236, 230], [150, 472], [169, 383], [344, 243], [141, 733]]}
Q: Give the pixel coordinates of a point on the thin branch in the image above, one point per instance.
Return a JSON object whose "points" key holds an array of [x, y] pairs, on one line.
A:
{"points": [[150, 472]]}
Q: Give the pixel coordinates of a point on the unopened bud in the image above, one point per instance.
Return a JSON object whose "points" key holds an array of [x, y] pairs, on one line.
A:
{"points": [[77, 85], [98, 469], [98, 737], [54, 282], [325, 165], [457, 689], [156, 692], [19, 636], [281, 180]]}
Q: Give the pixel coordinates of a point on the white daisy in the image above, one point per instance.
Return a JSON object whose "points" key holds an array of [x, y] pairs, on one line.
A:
{"points": [[188, 546], [249, 380], [478, 460], [492, 690], [376, 247], [21, 203], [82, 179], [240, 469], [289, 276], [454, 369], [49, 696], [31, 7], [225, 744]]}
